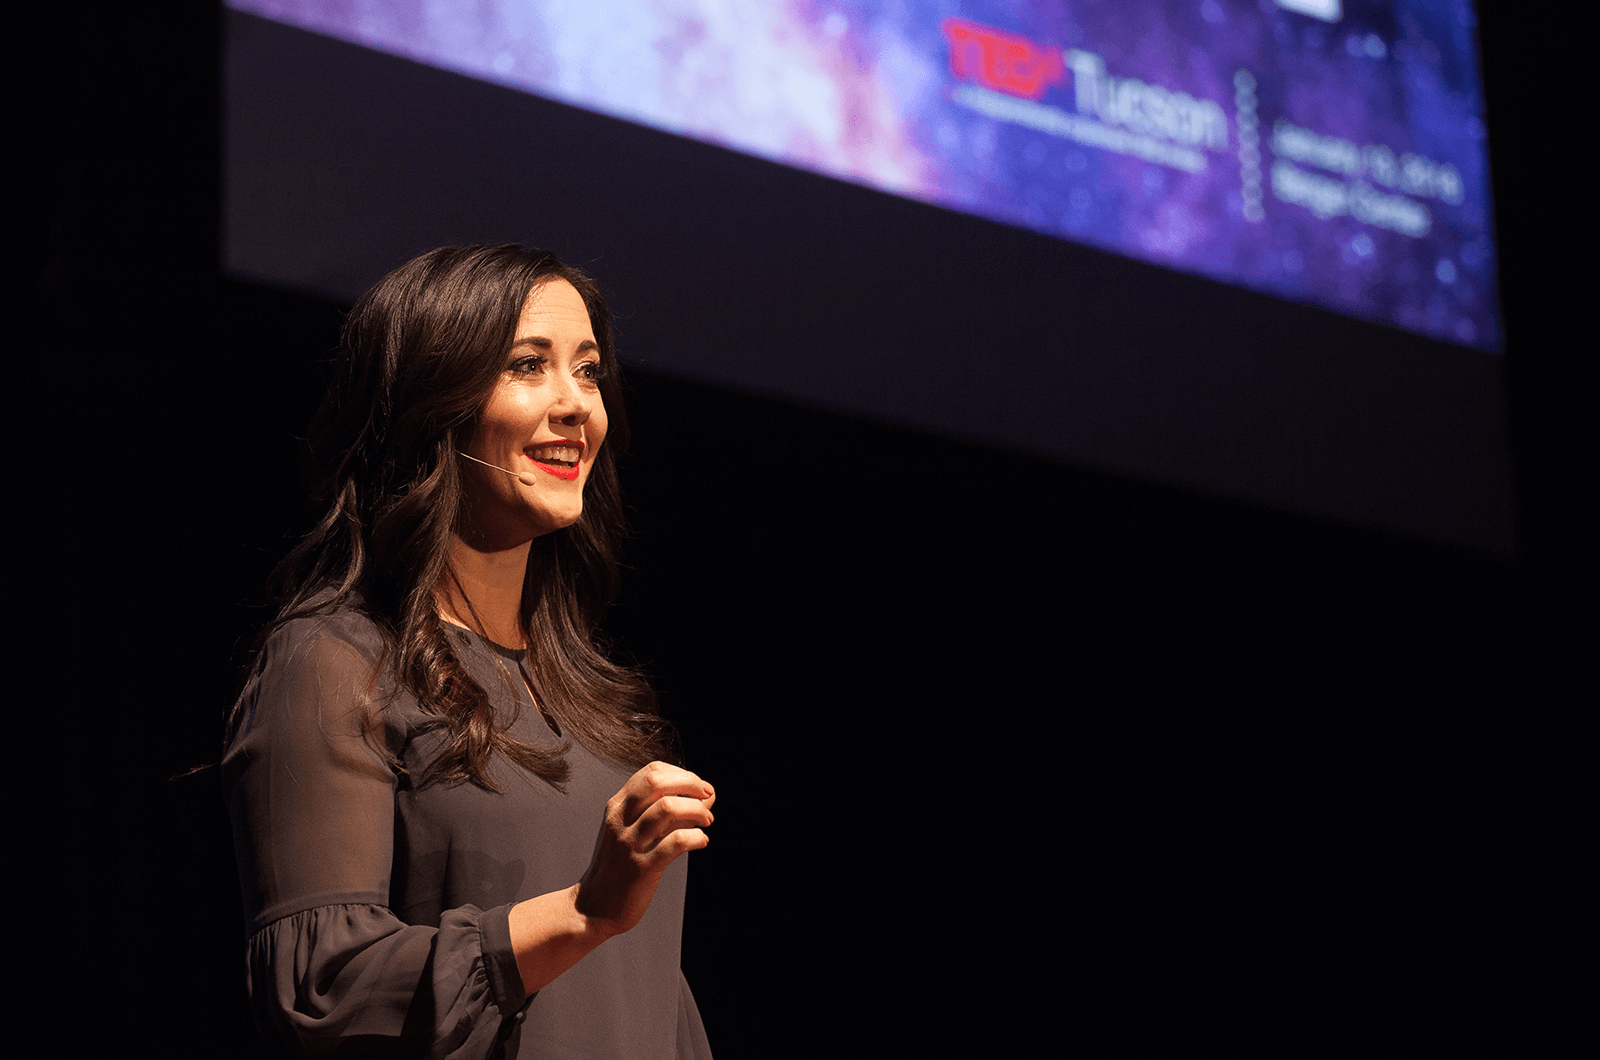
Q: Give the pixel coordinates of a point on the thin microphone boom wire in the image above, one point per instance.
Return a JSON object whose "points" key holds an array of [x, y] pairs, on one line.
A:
{"points": [[524, 477]]}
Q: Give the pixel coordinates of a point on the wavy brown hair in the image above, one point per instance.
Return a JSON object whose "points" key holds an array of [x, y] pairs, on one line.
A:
{"points": [[418, 356]]}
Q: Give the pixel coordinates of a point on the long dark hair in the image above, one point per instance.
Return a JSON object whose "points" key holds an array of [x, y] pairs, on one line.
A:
{"points": [[418, 356]]}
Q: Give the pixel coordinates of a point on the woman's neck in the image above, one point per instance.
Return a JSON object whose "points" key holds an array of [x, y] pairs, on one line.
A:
{"points": [[483, 591]]}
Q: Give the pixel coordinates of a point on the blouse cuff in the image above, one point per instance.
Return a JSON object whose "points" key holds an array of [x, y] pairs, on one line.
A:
{"points": [[500, 961]]}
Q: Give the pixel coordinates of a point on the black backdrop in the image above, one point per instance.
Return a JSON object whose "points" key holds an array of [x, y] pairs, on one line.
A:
{"points": [[1133, 768]]}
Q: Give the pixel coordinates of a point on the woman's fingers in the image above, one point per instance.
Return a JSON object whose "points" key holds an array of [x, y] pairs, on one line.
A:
{"points": [[669, 814], [655, 782], [681, 842]]}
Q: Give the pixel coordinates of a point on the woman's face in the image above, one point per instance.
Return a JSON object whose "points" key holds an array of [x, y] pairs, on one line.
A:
{"points": [[544, 419]]}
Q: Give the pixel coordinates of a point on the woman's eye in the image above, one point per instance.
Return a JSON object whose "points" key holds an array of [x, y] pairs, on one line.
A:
{"points": [[590, 371], [527, 365]]}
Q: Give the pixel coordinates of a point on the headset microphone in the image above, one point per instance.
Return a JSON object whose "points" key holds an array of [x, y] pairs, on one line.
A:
{"points": [[524, 477]]}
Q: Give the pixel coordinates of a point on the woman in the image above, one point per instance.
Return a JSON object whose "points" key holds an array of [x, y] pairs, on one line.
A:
{"points": [[430, 736]]}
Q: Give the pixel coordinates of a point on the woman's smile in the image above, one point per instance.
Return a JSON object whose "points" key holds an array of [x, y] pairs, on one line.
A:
{"points": [[560, 460]]}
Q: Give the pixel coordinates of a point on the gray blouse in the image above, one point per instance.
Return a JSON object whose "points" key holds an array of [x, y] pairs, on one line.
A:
{"points": [[377, 910]]}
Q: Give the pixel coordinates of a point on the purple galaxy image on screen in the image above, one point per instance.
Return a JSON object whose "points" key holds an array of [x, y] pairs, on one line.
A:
{"points": [[1326, 151]]}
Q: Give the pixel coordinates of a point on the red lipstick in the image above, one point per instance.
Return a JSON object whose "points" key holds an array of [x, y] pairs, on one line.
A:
{"points": [[559, 470]]}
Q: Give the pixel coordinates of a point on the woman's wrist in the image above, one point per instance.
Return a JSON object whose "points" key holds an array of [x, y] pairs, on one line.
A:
{"points": [[549, 935]]}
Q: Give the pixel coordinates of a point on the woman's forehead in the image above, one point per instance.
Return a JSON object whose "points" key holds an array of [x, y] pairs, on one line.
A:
{"points": [[554, 304]]}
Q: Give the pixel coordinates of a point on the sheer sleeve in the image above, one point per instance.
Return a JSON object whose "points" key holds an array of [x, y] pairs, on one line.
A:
{"points": [[332, 971]]}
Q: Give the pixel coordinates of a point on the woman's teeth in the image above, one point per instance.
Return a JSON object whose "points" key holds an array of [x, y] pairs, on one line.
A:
{"points": [[565, 455]]}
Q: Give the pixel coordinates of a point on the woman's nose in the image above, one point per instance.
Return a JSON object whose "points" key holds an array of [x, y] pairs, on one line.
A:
{"points": [[572, 406]]}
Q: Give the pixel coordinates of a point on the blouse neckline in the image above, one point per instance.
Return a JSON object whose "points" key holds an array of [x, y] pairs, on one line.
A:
{"points": [[514, 654]]}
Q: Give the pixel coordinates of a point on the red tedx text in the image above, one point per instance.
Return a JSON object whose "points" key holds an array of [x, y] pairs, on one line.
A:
{"points": [[1001, 61]]}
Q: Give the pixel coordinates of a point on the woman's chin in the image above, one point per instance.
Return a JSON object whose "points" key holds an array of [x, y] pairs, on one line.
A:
{"points": [[550, 522]]}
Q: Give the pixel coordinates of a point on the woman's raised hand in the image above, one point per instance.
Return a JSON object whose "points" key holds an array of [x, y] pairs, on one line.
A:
{"points": [[660, 813]]}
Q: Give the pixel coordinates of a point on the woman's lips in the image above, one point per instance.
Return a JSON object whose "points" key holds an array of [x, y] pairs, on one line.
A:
{"points": [[560, 459]]}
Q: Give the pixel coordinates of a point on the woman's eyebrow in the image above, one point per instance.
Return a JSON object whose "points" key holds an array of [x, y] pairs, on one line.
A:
{"points": [[544, 344]]}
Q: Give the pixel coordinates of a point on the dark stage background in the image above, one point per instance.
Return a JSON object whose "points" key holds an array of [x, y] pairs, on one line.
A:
{"points": [[1002, 746]]}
